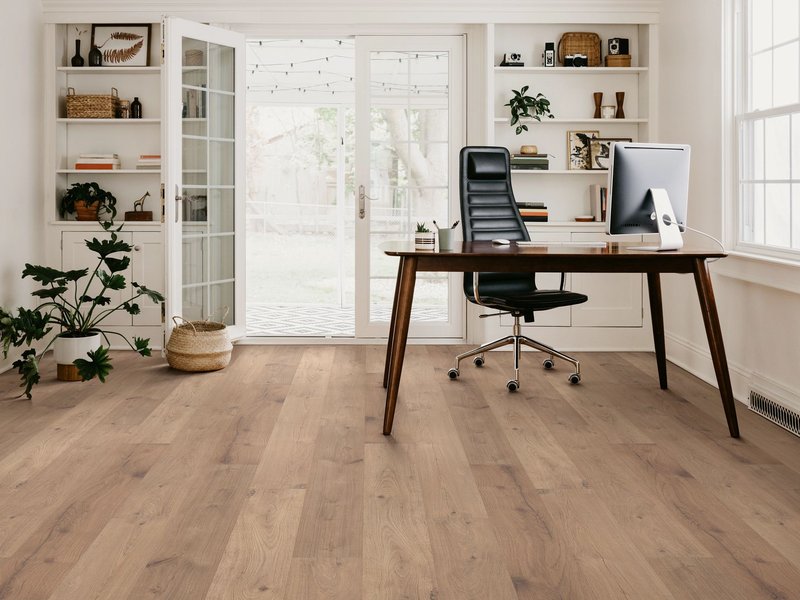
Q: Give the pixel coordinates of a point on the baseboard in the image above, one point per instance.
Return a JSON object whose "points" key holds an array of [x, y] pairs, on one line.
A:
{"points": [[697, 361]]}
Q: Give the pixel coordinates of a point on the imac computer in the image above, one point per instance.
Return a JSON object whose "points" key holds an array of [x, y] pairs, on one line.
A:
{"points": [[648, 191]]}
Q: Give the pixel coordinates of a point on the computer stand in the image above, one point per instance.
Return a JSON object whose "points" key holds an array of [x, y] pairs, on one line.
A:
{"points": [[669, 233]]}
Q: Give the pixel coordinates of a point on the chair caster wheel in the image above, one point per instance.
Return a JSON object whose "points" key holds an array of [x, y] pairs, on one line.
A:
{"points": [[548, 363], [478, 361], [574, 378], [512, 385], [453, 373]]}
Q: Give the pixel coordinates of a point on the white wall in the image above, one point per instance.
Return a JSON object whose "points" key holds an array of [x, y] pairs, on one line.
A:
{"points": [[760, 324], [21, 218]]}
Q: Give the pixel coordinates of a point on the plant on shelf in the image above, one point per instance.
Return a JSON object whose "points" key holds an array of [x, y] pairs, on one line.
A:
{"points": [[530, 107], [88, 201], [76, 303]]}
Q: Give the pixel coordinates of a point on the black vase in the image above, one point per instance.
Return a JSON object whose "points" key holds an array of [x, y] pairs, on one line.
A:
{"points": [[95, 57], [77, 60]]}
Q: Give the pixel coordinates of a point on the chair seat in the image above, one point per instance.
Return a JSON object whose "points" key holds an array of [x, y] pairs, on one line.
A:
{"points": [[537, 300]]}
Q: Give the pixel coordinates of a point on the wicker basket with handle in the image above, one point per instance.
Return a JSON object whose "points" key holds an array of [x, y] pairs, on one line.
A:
{"points": [[198, 346], [92, 106], [580, 42]]}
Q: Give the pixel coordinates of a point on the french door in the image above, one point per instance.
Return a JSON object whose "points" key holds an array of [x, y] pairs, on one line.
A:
{"points": [[203, 80], [409, 130]]}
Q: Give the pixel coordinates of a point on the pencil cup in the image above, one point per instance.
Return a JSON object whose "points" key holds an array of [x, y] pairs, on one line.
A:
{"points": [[446, 240]]}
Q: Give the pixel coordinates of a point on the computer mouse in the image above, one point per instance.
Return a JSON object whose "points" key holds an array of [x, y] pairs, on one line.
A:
{"points": [[500, 242]]}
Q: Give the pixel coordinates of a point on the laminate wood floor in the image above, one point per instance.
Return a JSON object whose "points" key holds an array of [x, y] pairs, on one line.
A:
{"points": [[271, 479]]}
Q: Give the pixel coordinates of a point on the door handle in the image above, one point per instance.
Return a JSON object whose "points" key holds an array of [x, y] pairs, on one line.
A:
{"points": [[178, 198], [362, 201]]}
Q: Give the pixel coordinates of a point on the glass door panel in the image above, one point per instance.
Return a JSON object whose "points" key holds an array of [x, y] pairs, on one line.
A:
{"points": [[409, 130], [204, 79]]}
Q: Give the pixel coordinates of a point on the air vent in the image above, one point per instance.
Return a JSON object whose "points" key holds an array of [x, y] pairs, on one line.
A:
{"points": [[775, 412]]}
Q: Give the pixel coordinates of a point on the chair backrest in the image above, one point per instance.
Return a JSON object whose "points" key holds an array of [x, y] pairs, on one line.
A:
{"points": [[489, 211]]}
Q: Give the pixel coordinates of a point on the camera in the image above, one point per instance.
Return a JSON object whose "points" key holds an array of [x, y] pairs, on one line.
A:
{"points": [[618, 46], [576, 60], [512, 59]]}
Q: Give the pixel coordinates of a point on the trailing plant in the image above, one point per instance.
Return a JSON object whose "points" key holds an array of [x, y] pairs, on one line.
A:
{"points": [[422, 228], [524, 106], [91, 193], [69, 305]]}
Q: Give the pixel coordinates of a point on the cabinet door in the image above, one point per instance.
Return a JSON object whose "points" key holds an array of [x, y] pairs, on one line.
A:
{"points": [[147, 268], [615, 299], [75, 255]]}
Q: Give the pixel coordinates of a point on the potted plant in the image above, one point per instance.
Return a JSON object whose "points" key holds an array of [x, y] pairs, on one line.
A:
{"points": [[530, 107], [74, 302], [86, 200], [424, 238]]}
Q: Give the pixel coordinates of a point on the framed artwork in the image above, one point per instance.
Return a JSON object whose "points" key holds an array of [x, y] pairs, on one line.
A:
{"points": [[578, 143], [600, 152], [123, 45]]}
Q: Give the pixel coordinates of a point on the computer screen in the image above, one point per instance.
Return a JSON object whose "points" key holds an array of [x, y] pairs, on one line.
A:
{"points": [[637, 168]]}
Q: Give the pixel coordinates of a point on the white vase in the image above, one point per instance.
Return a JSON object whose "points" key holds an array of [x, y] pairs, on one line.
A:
{"points": [[67, 349], [424, 241]]}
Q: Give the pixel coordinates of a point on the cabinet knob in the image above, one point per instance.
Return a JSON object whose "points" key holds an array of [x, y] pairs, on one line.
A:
{"points": [[137, 248]]}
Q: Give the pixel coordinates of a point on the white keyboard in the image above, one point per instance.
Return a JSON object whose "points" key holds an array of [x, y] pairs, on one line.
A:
{"points": [[524, 244]]}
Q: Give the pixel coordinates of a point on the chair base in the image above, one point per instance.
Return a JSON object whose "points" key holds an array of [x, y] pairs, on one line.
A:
{"points": [[517, 340]]}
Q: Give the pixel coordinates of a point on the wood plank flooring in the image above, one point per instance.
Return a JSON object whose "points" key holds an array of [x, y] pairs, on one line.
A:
{"points": [[271, 480]]}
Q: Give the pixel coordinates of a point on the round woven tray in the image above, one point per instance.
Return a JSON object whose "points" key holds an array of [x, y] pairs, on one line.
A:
{"points": [[198, 346]]}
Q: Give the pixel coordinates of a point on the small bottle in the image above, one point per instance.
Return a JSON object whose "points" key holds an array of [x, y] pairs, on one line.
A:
{"points": [[95, 57], [136, 108]]}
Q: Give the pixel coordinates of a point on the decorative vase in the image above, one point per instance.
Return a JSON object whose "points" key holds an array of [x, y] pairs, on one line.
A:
{"points": [[598, 101], [424, 241], [95, 57], [67, 349], [85, 211], [77, 60], [620, 99]]}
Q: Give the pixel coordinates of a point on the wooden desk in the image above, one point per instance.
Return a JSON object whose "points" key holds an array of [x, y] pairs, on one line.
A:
{"points": [[616, 258]]}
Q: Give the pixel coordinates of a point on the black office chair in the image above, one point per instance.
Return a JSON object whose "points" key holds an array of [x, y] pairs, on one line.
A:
{"points": [[489, 211]]}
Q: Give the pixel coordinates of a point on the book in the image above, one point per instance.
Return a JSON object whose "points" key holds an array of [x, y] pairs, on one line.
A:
{"points": [[80, 166], [104, 156], [531, 205], [597, 199], [149, 157], [535, 219], [83, 159], [531, 167]]}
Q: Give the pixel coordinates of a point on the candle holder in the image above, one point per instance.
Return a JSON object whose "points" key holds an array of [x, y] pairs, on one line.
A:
{"points": [[620, 99], [598, 101]]}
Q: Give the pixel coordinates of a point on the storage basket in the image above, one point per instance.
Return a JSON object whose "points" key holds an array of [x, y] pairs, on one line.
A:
{"points": [[618, 60], [92, 106], [580, 42], [198, 346]]}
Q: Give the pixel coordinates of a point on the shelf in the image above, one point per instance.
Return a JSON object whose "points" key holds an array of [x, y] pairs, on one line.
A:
{"points": [[572, 70], [603, 172], [593, 121], [598, 225], [111, 171], [93, 224], [97, 70], [110, 121]]}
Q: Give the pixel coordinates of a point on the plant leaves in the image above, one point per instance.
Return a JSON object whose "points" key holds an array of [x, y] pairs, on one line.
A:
{"points": [[115, 265], [45, 275], [158, 297], [142, 345], [50, 293], [125, 35], [98, 365], [108, 247], [112, 282], [101, 300], [131, 308], [121, 55], [28, 367]]}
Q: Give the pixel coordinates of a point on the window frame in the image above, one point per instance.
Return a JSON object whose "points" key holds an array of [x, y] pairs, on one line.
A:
{"points": [[737, 56]]}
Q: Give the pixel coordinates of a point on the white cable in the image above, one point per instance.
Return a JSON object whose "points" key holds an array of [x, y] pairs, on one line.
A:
{"points": [[703, 233]]}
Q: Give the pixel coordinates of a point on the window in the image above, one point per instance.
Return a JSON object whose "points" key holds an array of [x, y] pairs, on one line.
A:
{"points": [[768, 128]]}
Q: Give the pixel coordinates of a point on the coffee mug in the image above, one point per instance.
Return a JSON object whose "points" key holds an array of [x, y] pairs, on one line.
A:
{"points": [[446, 240]]}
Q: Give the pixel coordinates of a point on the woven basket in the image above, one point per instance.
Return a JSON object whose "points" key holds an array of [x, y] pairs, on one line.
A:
{"points": [[580, 42], [92, 106], [198, 346]]}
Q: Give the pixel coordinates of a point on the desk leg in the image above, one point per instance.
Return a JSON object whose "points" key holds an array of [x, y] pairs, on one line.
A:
{"points": [[398, 348], [657, 317], [392, 324], [708, 306]]}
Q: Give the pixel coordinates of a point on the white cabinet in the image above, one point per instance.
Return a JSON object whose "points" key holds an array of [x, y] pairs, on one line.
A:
{"points": [[146, 268]]}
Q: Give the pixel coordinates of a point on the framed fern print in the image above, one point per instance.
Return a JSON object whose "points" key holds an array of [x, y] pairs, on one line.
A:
{"points": [[123, 45]]}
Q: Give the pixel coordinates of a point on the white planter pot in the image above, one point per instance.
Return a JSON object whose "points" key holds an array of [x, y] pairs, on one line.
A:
{"points": [[424, 241], [67, 349]]}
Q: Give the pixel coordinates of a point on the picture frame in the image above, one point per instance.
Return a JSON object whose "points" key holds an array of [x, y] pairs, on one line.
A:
{"points": [[578, 144], [600, 152], [123, 44]]}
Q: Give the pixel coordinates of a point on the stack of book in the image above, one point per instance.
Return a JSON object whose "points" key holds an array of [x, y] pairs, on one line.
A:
{"points": [[530, 162], [598, 197], [533, 211], [149, 162], [97, 162]]}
